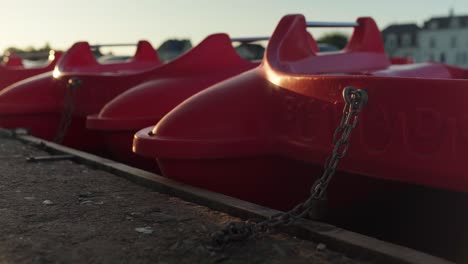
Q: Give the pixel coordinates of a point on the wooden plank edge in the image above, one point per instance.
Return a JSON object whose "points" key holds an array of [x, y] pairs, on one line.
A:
{"points": [[348, 242]]}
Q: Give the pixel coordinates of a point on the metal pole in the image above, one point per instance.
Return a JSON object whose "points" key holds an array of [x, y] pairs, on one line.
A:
{"points": [[331, 24], [114, 45], [249, 39]]}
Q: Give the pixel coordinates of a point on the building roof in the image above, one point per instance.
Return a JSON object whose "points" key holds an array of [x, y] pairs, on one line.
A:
{"points": [[445, 22], [401, 28], [175, 45]]}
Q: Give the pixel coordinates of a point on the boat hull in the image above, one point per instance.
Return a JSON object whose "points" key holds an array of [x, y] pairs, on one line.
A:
{"points": [[118, 146], [212, 61]]}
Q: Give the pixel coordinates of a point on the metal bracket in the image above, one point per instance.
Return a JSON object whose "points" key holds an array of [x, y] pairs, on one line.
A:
{"points": [[49, 158]]}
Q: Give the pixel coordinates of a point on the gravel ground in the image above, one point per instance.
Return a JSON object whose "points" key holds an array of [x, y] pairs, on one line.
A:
{"points": [[63, 212]]}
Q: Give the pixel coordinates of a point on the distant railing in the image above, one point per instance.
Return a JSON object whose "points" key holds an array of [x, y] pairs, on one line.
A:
{"points": [[42, 55]]}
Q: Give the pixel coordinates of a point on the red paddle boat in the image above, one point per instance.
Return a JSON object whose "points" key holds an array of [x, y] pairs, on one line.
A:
{"points": [[264, 135], [212, 61], [54, 106], [401, 60], [13, 70], [11, 59]]}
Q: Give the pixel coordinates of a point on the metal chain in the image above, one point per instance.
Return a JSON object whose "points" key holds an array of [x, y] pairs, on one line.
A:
{"points": [[68, 107], [355, 100]]}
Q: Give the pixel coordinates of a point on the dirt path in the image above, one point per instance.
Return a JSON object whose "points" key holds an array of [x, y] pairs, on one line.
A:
{"points": [[63, 212]]}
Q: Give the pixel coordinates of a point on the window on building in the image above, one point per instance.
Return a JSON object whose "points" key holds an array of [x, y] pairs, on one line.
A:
{"points": [[455, 22], [431, 57], [442, 57], [391, 41], [434, 25], [406, 40], [432, 42], [460, 58], [453, 42]]}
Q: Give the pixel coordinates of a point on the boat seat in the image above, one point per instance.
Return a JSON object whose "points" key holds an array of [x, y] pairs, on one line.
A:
{"points": [[294, 51], [419, 70]]}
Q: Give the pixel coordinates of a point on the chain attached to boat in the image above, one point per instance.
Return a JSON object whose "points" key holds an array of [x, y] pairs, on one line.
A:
{"points": [[68, 107], [355, 100]]}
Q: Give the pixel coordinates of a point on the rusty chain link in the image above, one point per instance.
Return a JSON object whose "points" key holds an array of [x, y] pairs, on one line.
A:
{"points": [[68, 107], [355, 100]]}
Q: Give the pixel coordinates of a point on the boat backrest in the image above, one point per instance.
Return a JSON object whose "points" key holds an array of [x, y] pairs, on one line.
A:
{"points": [[457, 72], [80, 58], [12, 60], [215, 52], [291, 48], [79, 55], [313, 44], [54, 58], [366, 37], [145, 52]]}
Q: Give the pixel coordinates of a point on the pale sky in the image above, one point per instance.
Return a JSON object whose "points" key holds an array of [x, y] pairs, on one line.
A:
{"points": [[62, 22]]}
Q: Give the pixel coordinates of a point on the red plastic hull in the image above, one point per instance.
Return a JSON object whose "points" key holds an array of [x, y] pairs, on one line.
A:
{"points": [[45, 125], [118, 146], [270, 181]]}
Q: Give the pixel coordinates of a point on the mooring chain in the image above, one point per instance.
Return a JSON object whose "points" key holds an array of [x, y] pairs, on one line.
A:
{"points": [[355, 100], [68, 107]]}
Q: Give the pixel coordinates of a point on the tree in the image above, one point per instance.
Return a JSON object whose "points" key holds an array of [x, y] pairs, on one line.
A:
{"points": [[172, 48], [30, 49], [336, 39]]}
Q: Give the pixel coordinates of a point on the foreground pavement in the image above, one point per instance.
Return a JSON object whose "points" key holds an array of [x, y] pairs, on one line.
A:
{"points": [[64, 212]]}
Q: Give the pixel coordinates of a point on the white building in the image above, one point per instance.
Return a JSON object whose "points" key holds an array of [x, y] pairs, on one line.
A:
{"points": [[401, 40], [441, 39], [445, 39]]}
